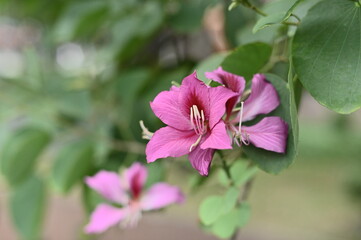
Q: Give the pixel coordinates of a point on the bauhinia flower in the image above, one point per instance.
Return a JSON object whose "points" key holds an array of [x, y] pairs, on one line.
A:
{"points": [[193, 113], [128, 192], [271, 132]]}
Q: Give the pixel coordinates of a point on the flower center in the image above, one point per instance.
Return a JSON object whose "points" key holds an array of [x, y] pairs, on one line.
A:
{"points": [[198, 123], [197, 120]]}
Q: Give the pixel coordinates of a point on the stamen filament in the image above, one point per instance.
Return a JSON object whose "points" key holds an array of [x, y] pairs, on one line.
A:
{"points": [[240, 119], [196, 143]]}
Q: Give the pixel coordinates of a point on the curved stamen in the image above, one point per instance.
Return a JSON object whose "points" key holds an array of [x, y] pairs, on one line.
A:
{"points": [[195, 144], [197, 120], [198, 123]]}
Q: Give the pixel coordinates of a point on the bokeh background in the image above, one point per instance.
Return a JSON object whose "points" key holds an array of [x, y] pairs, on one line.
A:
{"points": [[79, 76]]}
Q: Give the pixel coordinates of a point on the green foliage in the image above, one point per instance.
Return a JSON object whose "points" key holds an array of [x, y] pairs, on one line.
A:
{"points": [[208, 65], [20, 153], [74, 161], [275, 162], [226, 225], [240, 172], [247, 60], [27, 205], [223, 214], [326, 54], [210, 209]]}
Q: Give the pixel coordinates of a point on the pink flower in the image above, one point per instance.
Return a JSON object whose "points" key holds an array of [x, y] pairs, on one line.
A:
{"points": [[193, 113], [271, 132], [128, 192]]}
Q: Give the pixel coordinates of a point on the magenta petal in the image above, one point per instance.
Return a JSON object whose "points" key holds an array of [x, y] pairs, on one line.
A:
{"points": [[161, 195], [108, 185], [104, 217], [193, 92], [231, 81], [218, 96], [218, 138], [135, 178], [201, 160], [165, 106], [169, 142], [270, 133], [263, 99]]}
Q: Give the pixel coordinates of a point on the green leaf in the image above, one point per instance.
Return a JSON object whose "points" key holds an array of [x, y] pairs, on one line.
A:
{"points": [[74, 162], [244, 213], [277, 12], [273, 162], [241, 172], [209, 64], [226, 225], [230, 199], [327, 54], [247, 60], [268, 21], [211, 209], [20, 153], [27, 204]]}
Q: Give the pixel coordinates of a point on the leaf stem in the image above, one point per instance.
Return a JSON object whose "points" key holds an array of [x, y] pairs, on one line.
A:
{"points": [[225, 167], [249, 5]]}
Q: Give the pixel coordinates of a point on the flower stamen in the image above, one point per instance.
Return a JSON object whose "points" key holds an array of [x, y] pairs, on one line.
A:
{"points": [[198, 123], [197, 120]]}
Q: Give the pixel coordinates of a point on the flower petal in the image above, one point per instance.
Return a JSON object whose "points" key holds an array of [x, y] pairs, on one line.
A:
{"points": [[218, 138], [262, 100], [161, 195], [218, 96], [270, 133], [135, 178], [104, 217], [165, 106], [193, 92], [201, 160], [231, 81], [169, 142], [108, 185]]}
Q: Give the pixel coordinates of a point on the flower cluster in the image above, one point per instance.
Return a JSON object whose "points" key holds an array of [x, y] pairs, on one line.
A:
{"points": [[128, 192], [201, 119]]}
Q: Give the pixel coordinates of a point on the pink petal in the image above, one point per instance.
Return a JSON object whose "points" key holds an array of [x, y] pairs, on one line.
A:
{"points": [[169, 142], [166, 107], [104, 217], [218, 96], [270, 133], [161, 195], [218, 138], [108, 185], [135, 177], [201, 160], [231, 81], [193, 92], [263, 99]]}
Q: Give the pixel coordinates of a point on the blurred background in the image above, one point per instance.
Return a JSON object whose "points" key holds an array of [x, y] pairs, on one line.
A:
{"points": [[77, 76]]}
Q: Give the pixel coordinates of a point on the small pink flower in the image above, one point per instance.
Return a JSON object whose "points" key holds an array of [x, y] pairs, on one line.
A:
{"points": [[128, 192], [271, 132], [193, 113]]}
